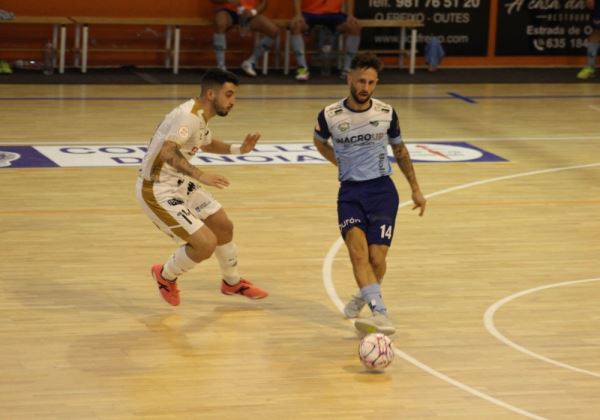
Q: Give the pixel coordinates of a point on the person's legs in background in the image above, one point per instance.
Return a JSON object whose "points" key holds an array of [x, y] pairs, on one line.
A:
{"points": [[297, 28], [593, 42], [265, 26], [223, 21]]}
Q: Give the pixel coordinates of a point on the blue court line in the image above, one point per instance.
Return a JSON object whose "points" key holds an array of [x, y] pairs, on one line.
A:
{"points": [[461, 97], [451, 96]]}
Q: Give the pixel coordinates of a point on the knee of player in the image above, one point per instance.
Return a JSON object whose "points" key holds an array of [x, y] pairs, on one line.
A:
{"points": [[210, 244], [203, 246], [377, 262], [354, 29], [359, 256], [296, 28], [221, 29], [226, 228]]}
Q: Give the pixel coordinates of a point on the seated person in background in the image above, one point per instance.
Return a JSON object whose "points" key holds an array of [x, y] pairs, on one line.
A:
{"points": [[248, 15], [593, 41], [328, 13]]}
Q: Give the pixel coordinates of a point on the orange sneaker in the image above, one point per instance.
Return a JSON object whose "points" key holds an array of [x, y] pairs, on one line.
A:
{"points": [[244, 288], [168, 289]]}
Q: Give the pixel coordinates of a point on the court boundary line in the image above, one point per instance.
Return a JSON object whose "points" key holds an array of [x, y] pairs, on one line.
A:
{"points": [[488, 321], [333, 296]]}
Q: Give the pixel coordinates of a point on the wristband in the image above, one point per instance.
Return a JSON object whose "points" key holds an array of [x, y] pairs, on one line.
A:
{"points": [[235, 149], [254, 12]]}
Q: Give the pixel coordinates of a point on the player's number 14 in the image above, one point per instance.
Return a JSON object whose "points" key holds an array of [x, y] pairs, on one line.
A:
{"points": [[386, 231]]}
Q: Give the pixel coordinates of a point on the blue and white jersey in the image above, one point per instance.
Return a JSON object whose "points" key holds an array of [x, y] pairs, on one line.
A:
{"points": [[360, 138]]}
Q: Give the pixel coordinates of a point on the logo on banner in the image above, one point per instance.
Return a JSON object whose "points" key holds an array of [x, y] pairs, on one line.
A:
{"points": [[433, 152], [7, 157]]}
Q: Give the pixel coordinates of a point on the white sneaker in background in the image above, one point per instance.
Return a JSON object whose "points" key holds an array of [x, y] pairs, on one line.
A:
{"points": [[248, 68]]}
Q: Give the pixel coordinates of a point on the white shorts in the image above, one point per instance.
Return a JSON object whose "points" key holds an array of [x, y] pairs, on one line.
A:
{"points": [[177, 210]]}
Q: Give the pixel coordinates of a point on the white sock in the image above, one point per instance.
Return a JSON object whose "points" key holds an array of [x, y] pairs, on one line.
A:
{"points": [[227, 257], [298, 48], [178, 264]]}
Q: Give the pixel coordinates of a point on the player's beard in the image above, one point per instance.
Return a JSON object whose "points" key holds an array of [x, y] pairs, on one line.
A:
{"points": [[357, 98], [221, 111]]}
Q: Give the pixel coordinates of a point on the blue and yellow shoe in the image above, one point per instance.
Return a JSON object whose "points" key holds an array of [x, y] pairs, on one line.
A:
{"points": [[5, 68], [586, 73], [302, 74]]}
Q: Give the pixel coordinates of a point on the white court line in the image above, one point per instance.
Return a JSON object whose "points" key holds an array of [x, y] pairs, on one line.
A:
{"points": [[511, 138], [595, 108], [488, 320], [330, 289]]}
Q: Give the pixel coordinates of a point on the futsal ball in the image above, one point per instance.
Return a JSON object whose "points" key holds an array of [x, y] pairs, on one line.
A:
{"points": [[375, 351]]}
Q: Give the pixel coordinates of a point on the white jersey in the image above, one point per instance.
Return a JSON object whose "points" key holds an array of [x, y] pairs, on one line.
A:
{"points": [[360, 138], [186, 126]]}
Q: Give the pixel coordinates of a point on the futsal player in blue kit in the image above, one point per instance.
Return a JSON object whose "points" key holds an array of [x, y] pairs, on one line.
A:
{"points": [[360, 128]]}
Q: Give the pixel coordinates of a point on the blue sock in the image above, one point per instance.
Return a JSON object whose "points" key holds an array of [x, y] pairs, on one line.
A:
{"points": [[263, 46], [298, 48], [220, 45], [352, 43], [592, 52], [372, 295]]}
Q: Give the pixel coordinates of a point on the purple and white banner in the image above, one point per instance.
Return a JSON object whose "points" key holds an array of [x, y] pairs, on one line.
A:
{"points": [[264, 154]]}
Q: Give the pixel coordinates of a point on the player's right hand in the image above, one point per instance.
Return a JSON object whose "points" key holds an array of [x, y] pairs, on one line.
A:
{"points": [[419, 202], [214, 180], [249, 143]]}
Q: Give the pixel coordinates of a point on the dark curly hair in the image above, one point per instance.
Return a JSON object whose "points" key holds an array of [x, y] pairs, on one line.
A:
{"points": [[218, 77], [366, 61]]}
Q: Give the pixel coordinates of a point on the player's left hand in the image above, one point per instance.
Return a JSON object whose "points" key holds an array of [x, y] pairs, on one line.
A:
{"points": [[249, 143], [419, 201]]}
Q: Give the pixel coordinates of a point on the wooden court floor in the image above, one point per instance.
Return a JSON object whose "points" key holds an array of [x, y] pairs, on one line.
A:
{"points": [[495, 291]]}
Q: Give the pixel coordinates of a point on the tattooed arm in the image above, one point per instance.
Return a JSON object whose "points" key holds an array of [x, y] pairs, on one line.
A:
{"points": [[403, 158], [170, 154]]}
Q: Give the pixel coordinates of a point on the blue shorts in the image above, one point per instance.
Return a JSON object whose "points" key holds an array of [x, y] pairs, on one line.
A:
{"points": [[235, 18], [329, 20], [371, 206]]}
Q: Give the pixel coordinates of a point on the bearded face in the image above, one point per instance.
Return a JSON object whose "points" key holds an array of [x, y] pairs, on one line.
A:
{"points": [[362, 83], [224, 99], [359, 95]]}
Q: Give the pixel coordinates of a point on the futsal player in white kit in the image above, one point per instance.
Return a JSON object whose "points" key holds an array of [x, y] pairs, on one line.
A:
{"points": [[169, 189], [360, 128]]}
